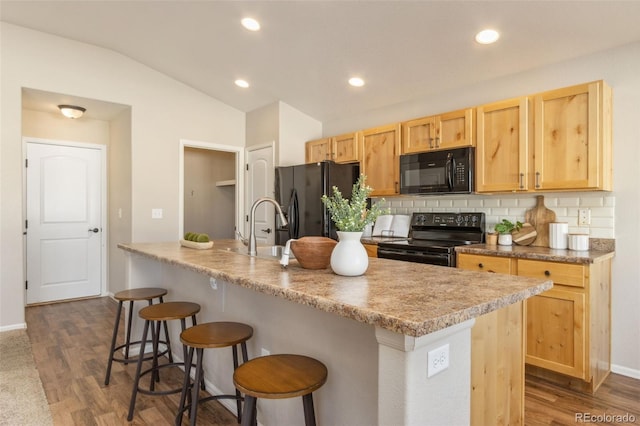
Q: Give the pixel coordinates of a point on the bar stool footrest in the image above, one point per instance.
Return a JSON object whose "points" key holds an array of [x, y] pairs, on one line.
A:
{"points": [[135, 358], [157, 369]]}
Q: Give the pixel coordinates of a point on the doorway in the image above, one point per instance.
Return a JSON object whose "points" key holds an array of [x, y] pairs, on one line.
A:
{"points": [[65, 193], [211, 185]]}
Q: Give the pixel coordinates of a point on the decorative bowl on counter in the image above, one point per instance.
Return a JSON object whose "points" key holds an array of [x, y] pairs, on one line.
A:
{"points": [[313, 252], [196, 245]]}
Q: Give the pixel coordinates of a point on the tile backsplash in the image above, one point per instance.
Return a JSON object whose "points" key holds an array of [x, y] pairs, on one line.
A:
{"points": [[513, 207]]}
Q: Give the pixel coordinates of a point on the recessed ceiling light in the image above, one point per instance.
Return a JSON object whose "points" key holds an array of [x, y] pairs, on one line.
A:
{"points": [[242, 83], [356, 82], [487, 36], [250, 24]]}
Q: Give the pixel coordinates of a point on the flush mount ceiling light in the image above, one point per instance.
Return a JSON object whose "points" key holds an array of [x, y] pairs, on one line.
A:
{"points": [[487, 36], [241, 83], [250, 24], [72, 111], [356, 82]]}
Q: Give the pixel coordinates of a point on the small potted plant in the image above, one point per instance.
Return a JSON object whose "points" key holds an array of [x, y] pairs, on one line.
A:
{"points": [[504, 230], [349, 257]]}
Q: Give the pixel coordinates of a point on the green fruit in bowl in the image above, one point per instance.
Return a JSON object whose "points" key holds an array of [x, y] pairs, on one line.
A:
{"points": [[202, 238], [189, 236]]}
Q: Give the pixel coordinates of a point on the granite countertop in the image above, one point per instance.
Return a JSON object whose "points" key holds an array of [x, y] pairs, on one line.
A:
{"points": [[538, 253], [408, 298]]}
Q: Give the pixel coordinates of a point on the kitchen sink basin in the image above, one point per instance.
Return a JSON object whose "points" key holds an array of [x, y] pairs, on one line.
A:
{"points": [[266, 252]]}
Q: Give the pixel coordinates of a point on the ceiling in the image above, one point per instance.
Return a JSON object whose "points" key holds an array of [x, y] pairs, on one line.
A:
{"points": [[307, 50]]}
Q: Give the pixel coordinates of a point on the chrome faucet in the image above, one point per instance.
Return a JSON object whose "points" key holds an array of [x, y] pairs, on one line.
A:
{"points": [[252, 222]]}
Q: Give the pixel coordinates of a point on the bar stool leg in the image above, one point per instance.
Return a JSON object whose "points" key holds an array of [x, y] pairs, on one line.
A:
{"points": [[309, 415], [249, 413], [166, 335], [238, 396], [185, 388], [196, 389], [113, 343], [134, 392]]}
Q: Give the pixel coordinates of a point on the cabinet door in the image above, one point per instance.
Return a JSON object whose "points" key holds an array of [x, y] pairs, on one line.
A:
{"points": [[556, 331], [480, 263], [380, 163], [317, 150], [568, 138], [345, 148], [418, 135], [455, 129], [372, 249], [502, 148]]}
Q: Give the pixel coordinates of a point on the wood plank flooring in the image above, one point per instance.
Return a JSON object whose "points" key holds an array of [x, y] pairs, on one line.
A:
{"points": [[71, 342]]}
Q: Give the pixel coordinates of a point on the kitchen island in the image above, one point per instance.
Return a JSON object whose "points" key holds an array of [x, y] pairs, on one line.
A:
{"points": [[373, 332]]}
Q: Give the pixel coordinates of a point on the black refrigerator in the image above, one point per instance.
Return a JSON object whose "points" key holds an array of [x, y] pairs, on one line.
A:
{"points": [[299, 190]]}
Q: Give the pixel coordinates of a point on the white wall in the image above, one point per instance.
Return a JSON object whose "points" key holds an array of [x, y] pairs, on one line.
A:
{"points": [[620, 68], [162, 112]]}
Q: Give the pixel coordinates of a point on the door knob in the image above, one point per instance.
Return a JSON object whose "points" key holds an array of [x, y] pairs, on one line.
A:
{"points": [[268, 230], [96, 230]]}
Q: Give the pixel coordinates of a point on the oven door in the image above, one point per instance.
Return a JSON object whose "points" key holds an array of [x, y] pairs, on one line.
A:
{"points": [[417, 256]]}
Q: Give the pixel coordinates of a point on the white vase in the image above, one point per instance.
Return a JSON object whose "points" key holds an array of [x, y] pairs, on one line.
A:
{"points": [[349, 257], [505, 239]]}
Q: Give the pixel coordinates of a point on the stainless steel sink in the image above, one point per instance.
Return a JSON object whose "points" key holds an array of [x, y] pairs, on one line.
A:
{"points": [[266, 252]]}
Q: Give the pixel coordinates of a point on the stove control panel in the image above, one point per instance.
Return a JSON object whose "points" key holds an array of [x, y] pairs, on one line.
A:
{"points": [[448, 220]]}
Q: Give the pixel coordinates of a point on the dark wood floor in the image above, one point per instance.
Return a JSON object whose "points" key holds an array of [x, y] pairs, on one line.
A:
{"points": [[71, 343]]}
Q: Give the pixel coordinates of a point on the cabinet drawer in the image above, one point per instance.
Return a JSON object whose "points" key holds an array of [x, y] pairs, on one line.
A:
{"points": [[561, 273], [499, 265]]}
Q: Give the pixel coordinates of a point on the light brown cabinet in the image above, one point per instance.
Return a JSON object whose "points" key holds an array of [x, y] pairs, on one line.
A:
{"points": [[445, 131], [568, 327], [380, 148], [573, 138], [317, 150], [372, 249], [345, 148], [503, 146], [556, 140]]}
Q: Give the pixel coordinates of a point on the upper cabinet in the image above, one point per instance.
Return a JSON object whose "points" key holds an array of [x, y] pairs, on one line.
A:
{"points": [[341, 149], [503, 146], [345, 148], [380, 148], [451, 130], [563, 144], [573, 138], [317, 150]]}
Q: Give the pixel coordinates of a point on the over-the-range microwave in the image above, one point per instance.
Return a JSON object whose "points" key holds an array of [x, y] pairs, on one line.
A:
{"points": [[437, 172]]}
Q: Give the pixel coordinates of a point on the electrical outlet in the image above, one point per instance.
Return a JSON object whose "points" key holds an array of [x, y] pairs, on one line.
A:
{"points": [[264, 352], [213, 283], [584, 217], [156, 213], [438, 360]]}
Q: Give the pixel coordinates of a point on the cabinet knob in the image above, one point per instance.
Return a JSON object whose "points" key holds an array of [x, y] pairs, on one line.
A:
{"points": [[480, 265], [547, 273]]}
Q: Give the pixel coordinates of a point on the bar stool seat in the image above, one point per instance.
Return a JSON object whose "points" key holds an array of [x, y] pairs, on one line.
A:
{"points": [[154, 315], [278, 377], [133, 295], [209, 336]]}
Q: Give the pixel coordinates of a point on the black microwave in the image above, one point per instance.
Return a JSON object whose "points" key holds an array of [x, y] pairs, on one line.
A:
{"points": [[437, 172]]}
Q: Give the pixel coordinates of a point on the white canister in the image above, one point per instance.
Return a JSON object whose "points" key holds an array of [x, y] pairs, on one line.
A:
{"points": [[558, 232], [578, 242]]}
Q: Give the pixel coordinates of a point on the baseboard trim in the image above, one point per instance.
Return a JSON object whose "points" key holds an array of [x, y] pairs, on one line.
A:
{"points": [[13, 327], [625, 371]]}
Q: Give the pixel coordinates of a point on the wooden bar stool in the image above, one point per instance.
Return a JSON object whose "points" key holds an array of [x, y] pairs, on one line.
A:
{"points": [[207, 336], [279, 377], [131, 296], [153, 316]]}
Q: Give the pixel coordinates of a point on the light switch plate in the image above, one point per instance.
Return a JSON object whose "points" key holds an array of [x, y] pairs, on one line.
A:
{"points": [[156, 213]]}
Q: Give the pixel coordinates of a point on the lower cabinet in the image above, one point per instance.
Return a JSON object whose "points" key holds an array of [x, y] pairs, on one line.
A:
{"points": [[568, 328], [372, 249]]}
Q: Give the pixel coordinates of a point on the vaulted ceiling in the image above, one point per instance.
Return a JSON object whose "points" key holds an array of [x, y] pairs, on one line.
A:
{"points": [[307, 50]]}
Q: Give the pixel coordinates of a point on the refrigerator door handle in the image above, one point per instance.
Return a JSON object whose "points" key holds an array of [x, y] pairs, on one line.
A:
{"points": [[294, 223]]}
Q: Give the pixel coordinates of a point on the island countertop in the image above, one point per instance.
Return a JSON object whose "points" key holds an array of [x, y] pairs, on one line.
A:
{"points": [[407, 298]]}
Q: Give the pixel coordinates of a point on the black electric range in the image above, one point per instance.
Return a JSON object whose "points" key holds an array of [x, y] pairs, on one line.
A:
{"points": [[434, 237]]}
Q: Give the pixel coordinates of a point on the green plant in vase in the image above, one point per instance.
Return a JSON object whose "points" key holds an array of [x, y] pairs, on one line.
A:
{"points": [[349, 257], [504, 229]]}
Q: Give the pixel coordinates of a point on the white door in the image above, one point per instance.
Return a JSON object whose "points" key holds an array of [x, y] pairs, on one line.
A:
{"points": [[260, 183], [64, 219]]}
